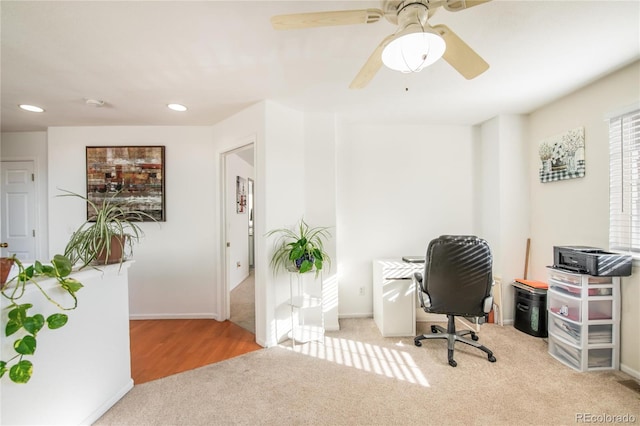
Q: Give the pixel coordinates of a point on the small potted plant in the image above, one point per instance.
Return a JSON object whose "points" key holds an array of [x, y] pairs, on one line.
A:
{"points": [[6, 263], [545, 150], [300, 250], [108, 235]]}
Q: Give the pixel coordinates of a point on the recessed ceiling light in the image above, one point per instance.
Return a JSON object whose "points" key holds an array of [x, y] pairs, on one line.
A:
{"points": [[31, 108], [177, 107]]}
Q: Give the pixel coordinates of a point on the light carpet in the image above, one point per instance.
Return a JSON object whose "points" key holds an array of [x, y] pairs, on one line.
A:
{"points": [[357, 377], [243, 305]]}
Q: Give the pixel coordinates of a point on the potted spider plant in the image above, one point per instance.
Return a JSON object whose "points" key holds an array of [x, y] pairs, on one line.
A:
{"points": [[109, 233], [300, 249]]}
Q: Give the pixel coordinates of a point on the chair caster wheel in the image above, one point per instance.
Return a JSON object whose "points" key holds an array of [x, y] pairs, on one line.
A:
{"points": [[474, 337], [492, 358], [417, 343], [434, 329], [453, 363]]}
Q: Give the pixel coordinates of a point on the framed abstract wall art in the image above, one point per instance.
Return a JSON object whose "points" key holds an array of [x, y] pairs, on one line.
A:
{"points": [[562, 156], [134, 173]]}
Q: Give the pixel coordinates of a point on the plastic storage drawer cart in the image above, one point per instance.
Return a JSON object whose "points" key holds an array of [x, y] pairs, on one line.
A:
{"points": [[584, 320]]}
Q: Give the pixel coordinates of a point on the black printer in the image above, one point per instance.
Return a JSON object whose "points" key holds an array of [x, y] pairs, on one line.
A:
{"points": [[591, 261]]}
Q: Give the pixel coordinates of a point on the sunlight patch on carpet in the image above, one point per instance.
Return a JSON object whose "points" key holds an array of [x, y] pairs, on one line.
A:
{"points": [[392, 363]]}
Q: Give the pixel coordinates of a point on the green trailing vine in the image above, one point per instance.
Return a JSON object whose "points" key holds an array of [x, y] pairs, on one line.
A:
{"points": [[26, 325]]}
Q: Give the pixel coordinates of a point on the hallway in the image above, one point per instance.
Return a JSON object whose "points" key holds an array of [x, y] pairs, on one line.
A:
{"points": [[243, 305]]}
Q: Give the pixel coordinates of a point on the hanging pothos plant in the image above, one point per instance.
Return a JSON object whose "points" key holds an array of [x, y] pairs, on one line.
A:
{"points": [[25, 325]]}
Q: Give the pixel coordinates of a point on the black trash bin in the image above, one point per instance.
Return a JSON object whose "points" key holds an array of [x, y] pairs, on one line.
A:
{"points": [[531, 310]]}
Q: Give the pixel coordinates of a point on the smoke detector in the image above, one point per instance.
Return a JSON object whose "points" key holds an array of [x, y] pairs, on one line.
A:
{"points": [[94, 102]]}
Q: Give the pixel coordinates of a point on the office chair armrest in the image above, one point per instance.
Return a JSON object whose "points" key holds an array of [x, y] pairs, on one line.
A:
{"points": [[488, 304], [417, 277], [423, 296]]}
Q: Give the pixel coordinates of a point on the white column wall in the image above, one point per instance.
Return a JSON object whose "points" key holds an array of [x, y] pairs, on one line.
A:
{"points": [[320, 199], [284, 202], [503, 206]]}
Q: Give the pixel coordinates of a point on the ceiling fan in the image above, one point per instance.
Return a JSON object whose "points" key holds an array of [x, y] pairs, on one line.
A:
{"points": [[396, 51]]}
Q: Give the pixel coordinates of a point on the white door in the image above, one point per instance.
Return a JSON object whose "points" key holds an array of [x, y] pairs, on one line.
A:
{"points": [[18, 204]]}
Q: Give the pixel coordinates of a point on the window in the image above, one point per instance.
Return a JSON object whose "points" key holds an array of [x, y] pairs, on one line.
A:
{"points": [[624, 183]]}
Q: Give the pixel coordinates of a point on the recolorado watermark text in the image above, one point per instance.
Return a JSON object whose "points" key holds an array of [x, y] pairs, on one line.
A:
{"points": [[605, 418]]}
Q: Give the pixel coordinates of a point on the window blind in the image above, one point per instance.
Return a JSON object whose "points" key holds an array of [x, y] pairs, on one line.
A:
{"points": [[624, 183]]}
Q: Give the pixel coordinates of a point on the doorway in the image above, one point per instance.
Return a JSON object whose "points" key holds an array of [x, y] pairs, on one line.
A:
{"points": [[239, 226]]}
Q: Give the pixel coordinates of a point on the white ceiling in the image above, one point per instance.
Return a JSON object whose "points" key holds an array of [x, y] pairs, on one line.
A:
{"points": [[218, 57]]}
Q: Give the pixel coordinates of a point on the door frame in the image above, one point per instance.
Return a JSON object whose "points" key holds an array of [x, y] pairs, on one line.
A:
{"points": [[39, 205], [225, 302]]}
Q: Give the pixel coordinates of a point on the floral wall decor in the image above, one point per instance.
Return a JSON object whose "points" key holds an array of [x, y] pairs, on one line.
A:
{"points": [[562, 156]]}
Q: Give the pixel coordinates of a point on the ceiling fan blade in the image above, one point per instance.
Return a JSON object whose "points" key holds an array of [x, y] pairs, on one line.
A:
{"points": [[371, 67], [298, 21], [457, 5], [459, 55]]}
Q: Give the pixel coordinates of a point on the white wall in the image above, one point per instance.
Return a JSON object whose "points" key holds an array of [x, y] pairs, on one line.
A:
{"points": [[175, 273], [398, 187], [32, 146], [248, 126], [502, 194], [284, 200], [283, 193], [576, 211], [320, 201], [237, 223], [81, 369]]}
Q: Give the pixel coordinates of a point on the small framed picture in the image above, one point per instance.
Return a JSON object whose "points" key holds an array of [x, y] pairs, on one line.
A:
{"points": [[562, 156], [241, 194]]}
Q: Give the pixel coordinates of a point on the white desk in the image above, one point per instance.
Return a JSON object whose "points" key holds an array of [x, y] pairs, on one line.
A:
{"points": [[396, 307]]}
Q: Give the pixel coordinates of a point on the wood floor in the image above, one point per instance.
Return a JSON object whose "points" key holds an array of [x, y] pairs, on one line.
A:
{"points": [[160, 348]]}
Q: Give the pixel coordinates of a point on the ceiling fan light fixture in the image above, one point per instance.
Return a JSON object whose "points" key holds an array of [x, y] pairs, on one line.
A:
{"points": [[413, 51]]}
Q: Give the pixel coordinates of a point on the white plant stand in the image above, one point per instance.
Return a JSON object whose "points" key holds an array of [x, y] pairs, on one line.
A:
{"points": [[307, 313]]}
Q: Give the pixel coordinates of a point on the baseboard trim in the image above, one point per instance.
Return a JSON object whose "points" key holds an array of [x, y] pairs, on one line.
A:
{"points": [[347, 316], [173, 316], [630, 371]]}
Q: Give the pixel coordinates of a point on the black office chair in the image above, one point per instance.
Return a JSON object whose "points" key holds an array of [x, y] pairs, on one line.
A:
{"points": [[457, 281]]}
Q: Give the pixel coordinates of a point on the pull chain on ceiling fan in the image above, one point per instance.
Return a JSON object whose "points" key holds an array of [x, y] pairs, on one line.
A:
{"points": [[414, 46]]}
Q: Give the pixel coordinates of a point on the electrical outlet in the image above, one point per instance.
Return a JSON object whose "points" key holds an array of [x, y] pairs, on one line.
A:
{"points": [[361, 291]]}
